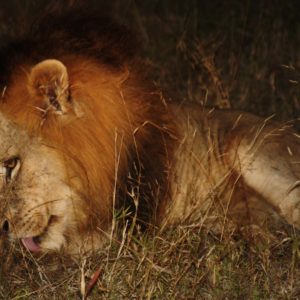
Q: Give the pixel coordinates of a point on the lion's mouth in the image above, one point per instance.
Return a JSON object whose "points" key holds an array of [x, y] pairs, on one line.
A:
{"points": [[33, 244]]}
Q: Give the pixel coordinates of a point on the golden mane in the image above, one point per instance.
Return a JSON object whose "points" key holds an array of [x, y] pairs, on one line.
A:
{"points": [[106, 135]]}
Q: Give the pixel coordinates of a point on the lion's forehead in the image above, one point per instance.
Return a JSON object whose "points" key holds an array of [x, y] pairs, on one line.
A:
{"points": [[16, 141], [40, 163]]}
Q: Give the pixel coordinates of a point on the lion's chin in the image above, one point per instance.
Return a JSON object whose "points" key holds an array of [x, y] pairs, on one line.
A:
{"points": [[32, 244]]}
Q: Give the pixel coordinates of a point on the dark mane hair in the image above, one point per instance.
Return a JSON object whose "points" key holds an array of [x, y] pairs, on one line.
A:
{"points": [[75, 31]]}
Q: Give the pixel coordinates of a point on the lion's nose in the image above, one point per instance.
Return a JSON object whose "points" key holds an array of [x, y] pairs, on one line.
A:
{"points": [[5, 227]]}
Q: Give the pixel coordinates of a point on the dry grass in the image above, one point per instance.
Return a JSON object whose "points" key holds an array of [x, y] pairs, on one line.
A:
{"points": [[253, 55], [186, 262]]}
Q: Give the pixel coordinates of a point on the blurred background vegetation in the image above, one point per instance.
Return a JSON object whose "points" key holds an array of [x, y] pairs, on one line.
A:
{"points": [[254, 46]]}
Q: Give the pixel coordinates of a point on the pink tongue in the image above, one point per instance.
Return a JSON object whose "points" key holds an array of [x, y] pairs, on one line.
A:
{"points": [[30, 244]]}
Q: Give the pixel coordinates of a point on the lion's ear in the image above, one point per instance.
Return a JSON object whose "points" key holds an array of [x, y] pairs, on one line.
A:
{"points": [[49, 82]]}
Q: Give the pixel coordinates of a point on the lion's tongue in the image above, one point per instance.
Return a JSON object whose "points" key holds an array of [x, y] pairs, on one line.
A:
{"points": [[30, 244]]}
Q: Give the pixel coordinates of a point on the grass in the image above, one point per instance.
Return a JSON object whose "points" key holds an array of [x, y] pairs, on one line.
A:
{"points": [[186, 262], [253, 49]]}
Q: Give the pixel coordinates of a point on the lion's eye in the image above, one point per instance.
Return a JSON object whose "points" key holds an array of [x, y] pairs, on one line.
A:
{"points": [[11, 167]]}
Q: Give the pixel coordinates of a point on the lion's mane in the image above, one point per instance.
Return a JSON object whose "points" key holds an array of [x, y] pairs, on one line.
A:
{"points": [[118, 137]]}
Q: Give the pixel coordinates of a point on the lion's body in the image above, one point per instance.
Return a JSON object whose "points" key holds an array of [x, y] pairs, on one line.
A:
{"points": [[91, 138], [234, 164]]}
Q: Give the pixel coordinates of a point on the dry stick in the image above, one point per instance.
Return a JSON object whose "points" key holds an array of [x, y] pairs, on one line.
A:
{"points": [[208, 63], [92, 282]]}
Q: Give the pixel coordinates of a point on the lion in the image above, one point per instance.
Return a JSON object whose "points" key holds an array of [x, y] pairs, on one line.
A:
{"points": [[86, 135]]}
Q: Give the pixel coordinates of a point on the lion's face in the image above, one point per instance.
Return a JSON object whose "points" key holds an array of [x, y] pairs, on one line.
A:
{"points": [[36, 191]]}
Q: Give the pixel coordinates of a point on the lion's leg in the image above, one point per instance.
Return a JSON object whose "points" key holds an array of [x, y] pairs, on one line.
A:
{"points": [[270, 165]]}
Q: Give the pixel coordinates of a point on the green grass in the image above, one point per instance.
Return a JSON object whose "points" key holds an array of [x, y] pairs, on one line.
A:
{"points": [[255, 50]]}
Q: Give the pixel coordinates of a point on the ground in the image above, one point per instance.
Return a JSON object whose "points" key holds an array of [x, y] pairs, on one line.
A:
{"points": [[241, 53]]}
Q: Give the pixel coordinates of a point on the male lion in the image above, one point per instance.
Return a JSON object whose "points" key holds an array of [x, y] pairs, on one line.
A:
{"points": [[83, 136]]}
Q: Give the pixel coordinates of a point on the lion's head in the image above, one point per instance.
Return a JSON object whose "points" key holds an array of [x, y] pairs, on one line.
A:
{"points": [[77, 133], [34, 191]]}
